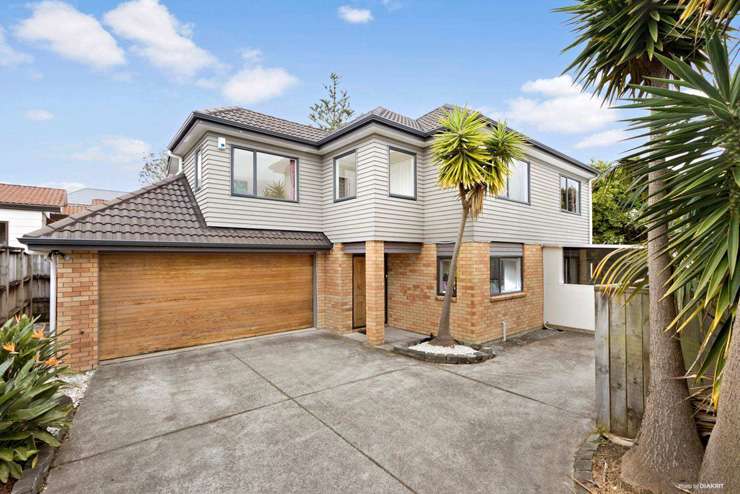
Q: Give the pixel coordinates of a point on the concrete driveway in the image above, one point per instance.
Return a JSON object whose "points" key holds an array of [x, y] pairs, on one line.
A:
{"points": [[314, 412]]}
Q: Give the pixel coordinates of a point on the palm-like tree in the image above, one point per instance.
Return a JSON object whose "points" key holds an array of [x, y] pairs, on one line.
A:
{"points": [[620, 40], [695, 140], [475, 161]]}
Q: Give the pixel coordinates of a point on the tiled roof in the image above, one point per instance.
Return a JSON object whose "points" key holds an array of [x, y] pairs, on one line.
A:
{"points": [[163, 215], [251, 118], [29, 196], [425, 126]]}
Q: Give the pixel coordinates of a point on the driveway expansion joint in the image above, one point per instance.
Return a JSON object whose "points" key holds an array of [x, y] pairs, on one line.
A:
{"points": [[169, 433], [325, 424], [570, 412]]}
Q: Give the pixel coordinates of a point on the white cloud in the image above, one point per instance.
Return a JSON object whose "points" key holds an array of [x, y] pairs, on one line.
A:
{"points": [[159, 37], [562, 108], [256, 84], [10, 56], [602, 139], [39, 115], [353, 15], [251, 55], [556, 86], [117, 150], [71, 34]]}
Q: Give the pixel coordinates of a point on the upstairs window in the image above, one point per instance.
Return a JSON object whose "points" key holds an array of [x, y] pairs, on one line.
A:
{"points": [[402, 174], [517, 183], [264, 175], [506, 275], [570, 195], [345, 176], [3, 233], [198, 168]]}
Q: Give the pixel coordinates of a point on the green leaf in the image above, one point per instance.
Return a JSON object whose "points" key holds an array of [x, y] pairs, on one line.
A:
{"points": [[47, 438]]}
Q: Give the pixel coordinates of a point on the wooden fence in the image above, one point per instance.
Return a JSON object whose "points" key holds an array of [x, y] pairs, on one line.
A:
{"points": [[622, 361], [24, 284]]}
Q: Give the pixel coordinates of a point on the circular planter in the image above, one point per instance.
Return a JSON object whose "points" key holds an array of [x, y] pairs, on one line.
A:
{"points": [[482, 353]]}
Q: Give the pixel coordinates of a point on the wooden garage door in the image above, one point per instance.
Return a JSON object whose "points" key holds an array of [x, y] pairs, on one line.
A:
{"points": [[151, 302]]}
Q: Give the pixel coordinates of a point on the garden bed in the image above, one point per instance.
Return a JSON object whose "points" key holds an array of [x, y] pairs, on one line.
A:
{"points": [[457, 354], [32, 481]]}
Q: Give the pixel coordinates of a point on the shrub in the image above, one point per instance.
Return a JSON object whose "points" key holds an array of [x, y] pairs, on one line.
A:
{"points": [[30, 394]]}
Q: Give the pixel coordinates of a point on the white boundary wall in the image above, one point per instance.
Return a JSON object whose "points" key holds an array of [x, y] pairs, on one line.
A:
{"points": [[566, 306]]}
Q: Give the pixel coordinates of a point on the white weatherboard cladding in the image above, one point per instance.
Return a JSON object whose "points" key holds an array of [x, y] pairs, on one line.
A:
{"points": [[542, 219], [373, 215], [20, 222], [220, 208]]}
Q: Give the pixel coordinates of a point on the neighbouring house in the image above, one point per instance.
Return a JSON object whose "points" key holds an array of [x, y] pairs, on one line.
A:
{"points": [[25, 208], [80, 199], [267, 225]]}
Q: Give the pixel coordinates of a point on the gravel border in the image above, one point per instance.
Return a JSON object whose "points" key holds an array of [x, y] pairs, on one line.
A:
{"points": [[583, 463], [483, 353]]}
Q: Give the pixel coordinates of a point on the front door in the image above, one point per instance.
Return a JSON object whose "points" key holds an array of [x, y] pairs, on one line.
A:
{"points": [[358, 291]]}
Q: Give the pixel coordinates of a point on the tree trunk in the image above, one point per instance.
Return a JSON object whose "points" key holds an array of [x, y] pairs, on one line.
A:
{"points": [[444, 338], [668, 450], [721, 464]]}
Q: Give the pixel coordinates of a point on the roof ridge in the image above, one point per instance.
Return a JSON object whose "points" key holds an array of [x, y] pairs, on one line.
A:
{"points": [[90, 210], [264, 115]]}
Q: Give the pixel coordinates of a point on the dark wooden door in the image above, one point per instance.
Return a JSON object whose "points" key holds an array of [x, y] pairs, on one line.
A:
{"points": [[358, 291]]}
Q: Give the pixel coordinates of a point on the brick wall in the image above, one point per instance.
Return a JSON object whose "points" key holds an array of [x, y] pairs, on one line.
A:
{"points": [[476, 317], [334, 298], [521, 313], [77, 308]]}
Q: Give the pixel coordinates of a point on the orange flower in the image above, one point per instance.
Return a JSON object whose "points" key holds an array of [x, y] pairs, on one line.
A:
{"points": [[38, 334], [37, 357], [9, 347], [52, 361]]}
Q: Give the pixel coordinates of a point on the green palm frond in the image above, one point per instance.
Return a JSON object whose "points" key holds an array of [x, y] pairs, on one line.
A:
{"points": [[695, 141], [460, 149], [621, 38], [712, 13]]}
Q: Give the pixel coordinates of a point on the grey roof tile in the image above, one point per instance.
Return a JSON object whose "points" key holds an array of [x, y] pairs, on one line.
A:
{"points": [[425, 126], [164, 213], [252, 118]]}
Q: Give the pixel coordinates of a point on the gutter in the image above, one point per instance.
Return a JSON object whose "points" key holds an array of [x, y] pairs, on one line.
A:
{"points": [[53, 243]]}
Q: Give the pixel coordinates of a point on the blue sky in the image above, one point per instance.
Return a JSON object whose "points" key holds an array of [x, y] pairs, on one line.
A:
{"points": [[88, 86]]}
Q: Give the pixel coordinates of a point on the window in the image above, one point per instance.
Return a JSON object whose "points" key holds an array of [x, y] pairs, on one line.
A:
{"points": [[571, 266], [443, 275], [198, 169], [517, 183], [264, 175], [3, 233], [570, 195], [506, 268], [402, 174], [345, 177]]}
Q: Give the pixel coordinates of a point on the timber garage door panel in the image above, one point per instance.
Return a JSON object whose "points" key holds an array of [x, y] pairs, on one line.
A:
{"points": [[151, 301]]}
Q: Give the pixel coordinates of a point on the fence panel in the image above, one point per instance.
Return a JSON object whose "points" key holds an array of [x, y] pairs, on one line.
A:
{"points": [[24, 284], [622, 331]]}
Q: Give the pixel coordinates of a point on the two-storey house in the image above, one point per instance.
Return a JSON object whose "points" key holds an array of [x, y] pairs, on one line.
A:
{"points": [[268, 225]]}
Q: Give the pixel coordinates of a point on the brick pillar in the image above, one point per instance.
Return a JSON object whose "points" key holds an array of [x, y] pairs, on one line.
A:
{"points": [[375, 292], [334, 271], [77, 308]]}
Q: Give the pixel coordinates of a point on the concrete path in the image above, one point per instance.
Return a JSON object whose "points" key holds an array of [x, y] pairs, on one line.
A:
{"points": [[311, 412]]}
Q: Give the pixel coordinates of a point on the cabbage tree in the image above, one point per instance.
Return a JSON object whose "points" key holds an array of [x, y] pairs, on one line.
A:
{"points": [[474, 160]]}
